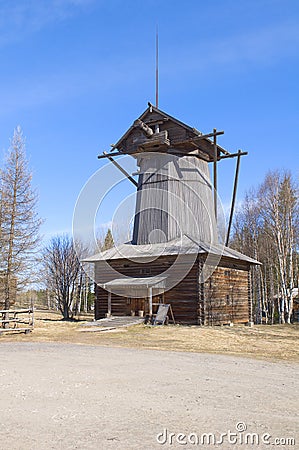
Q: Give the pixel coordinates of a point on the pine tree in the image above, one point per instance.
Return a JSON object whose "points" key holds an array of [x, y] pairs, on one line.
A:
{"points": [[20, 223], [109, 241]]}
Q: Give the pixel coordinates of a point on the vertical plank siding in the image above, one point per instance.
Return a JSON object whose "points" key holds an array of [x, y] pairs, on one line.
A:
{"points": [[172, 194]]}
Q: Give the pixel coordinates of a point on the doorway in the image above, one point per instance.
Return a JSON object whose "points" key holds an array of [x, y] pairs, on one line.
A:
{"points": [[134, 305]]}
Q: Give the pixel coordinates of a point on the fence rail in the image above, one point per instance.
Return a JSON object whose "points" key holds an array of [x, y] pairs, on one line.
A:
{"points": [[21, 320]]}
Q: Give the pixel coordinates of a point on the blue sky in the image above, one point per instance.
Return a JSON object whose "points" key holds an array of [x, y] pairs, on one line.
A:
{"points": [[76, 73]]}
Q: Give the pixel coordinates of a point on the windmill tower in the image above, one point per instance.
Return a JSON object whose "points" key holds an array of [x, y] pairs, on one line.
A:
{"points": [[174, 198], [175, 226], [174, 191]]}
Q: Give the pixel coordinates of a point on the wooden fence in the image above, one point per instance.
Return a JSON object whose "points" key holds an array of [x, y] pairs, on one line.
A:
{"points": [[21, 320]]}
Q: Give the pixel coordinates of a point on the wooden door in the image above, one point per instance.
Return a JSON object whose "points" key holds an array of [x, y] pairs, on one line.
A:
{"points": [[138, 304]]}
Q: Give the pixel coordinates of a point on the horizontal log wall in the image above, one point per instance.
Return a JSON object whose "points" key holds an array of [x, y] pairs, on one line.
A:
{"points": [[119, 304], [222, 299], [183, 297], [176, 133], [226, 297], [103, 274]]}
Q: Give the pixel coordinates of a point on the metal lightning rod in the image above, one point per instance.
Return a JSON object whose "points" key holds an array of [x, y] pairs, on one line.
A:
{"points": [[157, 67]]}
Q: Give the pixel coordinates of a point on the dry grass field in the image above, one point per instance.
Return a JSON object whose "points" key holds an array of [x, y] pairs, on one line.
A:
{"points": [[274, 343]]}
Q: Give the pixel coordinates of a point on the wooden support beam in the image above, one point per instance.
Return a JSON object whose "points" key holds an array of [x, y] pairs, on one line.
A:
{"points": [[222, 150], [199, 137], [215, 172], [226, 154], [202, 156], [172, 316], [150, 300], [233, 197], [233, 155], [109, 155], [208, 135], [121, 169], [109, 312]]}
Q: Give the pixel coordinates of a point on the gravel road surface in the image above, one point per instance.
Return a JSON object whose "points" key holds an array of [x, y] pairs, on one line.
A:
{"points": [[64, 396]]}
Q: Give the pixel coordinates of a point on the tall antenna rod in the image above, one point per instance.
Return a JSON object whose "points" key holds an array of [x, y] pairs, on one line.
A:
{"points": [[157, 67]]}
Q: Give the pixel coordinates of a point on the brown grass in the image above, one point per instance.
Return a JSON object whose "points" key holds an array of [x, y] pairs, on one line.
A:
{"points": [[263, 342]]}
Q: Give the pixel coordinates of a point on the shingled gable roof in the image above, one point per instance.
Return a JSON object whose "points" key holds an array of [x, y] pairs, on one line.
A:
{"points": [[184, 246], [193, 131]]}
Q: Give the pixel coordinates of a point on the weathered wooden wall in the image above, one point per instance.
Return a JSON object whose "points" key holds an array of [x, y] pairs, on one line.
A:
{"points": [[178, 135], [226, 297], [183, 297], [222, 299], [166, 186]]}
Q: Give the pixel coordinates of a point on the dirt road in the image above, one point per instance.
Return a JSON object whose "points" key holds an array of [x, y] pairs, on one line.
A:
{"points": [[64, 396]]}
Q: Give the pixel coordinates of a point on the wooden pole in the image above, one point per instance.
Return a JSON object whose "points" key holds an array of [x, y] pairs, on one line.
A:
{"points": [[233, 197], [150, 300], [215, 172], [32, 313], [121, 169], [109, 313], [172, 316]]}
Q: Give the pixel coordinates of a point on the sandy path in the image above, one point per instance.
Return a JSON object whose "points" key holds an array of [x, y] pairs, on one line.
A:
{"points": [[63, 396]]}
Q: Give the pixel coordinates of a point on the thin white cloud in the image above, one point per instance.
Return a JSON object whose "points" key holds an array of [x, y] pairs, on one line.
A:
{"points": [[263, 46], [69, 83], [19, 18]]}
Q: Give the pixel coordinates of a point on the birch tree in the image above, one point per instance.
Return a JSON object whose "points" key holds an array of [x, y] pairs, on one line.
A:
{"points": [[278, 198], [20, 224], [266, 228], [247, 239]]}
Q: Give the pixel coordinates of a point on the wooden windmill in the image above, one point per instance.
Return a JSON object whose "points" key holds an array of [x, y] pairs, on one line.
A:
{"points": [[176, 210]]}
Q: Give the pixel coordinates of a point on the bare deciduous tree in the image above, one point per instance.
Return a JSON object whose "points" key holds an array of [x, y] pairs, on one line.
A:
{"points": [[61, 259]]}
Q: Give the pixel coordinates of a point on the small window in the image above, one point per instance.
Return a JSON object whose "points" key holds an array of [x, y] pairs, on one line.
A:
{"points": [[227, 273]]}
